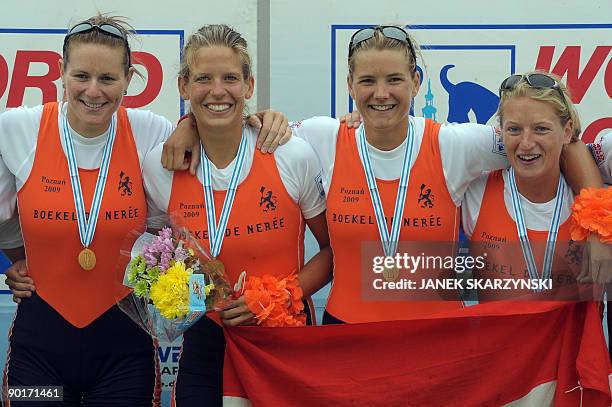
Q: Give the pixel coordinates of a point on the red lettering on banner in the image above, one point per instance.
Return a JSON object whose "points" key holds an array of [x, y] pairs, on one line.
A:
{"points": [[20, 80], [569, 62], [4, 78], [589, 134], [608, 78], [155, 77]]}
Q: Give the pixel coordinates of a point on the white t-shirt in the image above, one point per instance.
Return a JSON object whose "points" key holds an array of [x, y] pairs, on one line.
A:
{"points": [[18, 137], [467, 149], [602, 153], [537, 215], [297, 164]]}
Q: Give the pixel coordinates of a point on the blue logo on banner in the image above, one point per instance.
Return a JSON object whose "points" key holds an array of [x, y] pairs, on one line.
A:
{"points": [[465, 96]]}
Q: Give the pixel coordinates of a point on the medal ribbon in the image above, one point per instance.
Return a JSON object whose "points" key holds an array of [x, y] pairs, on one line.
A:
{"points": [[521, 228], [389, 240], [216, 232], [87, 227]]}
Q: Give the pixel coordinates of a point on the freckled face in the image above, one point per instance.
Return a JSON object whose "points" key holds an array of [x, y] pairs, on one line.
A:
{"points": [[533, 137]]}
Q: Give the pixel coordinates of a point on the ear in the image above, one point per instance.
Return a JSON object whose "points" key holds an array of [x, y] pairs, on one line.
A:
{"points": [[183, 88], [349, 82], [568, 130], [416, 78], [250, 87]]}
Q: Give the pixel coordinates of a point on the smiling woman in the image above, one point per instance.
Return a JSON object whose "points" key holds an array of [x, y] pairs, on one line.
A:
{"points": [[66, 160], [529, 202], [263, 201], [94, 91]]}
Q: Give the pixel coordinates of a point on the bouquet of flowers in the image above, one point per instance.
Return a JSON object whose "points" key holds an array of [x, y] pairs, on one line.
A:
{"points": [[174, 283]]}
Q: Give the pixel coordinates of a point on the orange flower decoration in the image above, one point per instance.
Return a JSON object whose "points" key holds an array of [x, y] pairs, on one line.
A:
{"points": [[592, 212], [275, 302]]}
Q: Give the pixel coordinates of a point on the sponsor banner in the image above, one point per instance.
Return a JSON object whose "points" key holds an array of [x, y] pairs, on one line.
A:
{"points": [[465, 64], [29, 71]]}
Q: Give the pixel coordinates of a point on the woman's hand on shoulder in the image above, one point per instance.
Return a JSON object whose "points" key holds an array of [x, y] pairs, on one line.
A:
{"points": [[352, 119], [182, 149], [274, 130]]}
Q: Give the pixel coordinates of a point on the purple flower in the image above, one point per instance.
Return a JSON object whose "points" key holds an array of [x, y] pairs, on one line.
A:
{"points": [[180, 254], [160, 250]]}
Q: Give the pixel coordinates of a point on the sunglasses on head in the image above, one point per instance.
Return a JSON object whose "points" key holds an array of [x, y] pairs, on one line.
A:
{"points": [[105, 28], [535, 80], [389, 31]]}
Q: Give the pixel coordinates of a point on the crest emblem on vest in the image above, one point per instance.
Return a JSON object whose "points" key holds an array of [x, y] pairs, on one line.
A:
{"points": [[426, 198], [573, 255], [267, 201], [125, 184]]}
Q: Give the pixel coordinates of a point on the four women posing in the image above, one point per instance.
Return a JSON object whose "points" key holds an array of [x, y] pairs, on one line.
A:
{"points": [[401, 169]]}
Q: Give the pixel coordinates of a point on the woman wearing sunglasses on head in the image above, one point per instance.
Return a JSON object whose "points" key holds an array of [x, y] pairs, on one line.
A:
{"points": [[77, 171], [259, 203], [520, 216]]}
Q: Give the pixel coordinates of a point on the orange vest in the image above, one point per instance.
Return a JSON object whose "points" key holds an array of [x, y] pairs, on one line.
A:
{"points": [[429, 215], [265, 230], [50, 228], [495, 234]]}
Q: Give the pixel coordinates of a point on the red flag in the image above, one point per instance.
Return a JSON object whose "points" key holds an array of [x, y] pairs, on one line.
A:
{"points": [[487, 355]]}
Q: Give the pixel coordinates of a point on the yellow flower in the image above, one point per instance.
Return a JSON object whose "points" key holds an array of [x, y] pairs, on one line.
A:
{"points": [[208, 288], [170, 293]]}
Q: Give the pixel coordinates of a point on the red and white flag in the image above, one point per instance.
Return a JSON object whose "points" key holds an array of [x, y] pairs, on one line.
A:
{"points": [[492, 354]]}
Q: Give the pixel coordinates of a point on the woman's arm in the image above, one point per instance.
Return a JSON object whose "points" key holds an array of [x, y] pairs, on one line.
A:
{"points": [[579, 168], [181, 150], [318, 271]]}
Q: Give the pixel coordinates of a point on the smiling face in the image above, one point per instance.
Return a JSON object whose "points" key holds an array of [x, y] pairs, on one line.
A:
{"points": [[383, 85], [533, 137], [216, 87], [95, 81]]}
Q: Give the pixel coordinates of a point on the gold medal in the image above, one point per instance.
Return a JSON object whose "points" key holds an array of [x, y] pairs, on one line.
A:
{"points": [[87, 259], [391, 273]]}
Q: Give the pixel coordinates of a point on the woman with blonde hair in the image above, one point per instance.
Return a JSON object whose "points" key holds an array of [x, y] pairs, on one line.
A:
{"points": [[510, 213], [248, 207]]}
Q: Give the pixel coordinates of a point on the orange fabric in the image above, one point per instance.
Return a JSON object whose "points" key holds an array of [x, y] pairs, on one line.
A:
{"points": [[495, 234], [352, 223], [265, 232], [50, 229]]}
